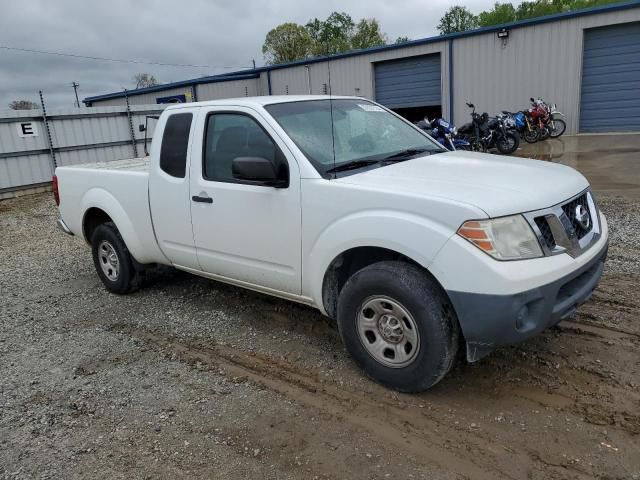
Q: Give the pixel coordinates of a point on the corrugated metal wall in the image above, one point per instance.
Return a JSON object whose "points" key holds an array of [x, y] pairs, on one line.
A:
{"points": [[232, 89], [353, 75], [78, 136], [145, 98], [540, 60]]}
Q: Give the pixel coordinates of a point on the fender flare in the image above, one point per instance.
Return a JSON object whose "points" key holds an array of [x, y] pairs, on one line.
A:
{"points": [[421, 239], [105, 201]]}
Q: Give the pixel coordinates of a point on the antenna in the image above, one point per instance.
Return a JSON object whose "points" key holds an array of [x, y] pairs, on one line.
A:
{"points": [[333, 137]]}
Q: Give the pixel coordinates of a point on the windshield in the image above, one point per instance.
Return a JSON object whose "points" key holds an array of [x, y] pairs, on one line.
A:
{"points": [[362, 131]]}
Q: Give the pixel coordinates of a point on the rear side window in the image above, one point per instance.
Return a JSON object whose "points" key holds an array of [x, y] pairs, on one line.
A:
{"points": [[173, 151]]}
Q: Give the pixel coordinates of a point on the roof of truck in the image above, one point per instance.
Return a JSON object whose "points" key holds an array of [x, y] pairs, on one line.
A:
{"points": [[261, 101]]}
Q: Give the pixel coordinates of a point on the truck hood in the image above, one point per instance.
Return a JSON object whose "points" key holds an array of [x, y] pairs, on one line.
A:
{"points": [[496, 184]]}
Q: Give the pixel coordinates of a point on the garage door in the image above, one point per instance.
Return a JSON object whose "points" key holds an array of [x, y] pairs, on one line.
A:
{"points": [[409, 82], [611, 79]]}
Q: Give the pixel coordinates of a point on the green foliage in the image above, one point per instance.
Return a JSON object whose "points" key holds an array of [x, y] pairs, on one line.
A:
{"points": [[286, 43], [457, 19], [338, 33], [402, 40], [368, 34], [332, 35], [500, 13]]}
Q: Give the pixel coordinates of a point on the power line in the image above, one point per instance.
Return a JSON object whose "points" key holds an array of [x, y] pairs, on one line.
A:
{"points": [[105, 59]]}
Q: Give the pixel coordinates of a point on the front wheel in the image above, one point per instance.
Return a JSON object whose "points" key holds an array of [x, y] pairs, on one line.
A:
{"points": [[508, 143], [557, 127], [530, 135], [398, 325]]}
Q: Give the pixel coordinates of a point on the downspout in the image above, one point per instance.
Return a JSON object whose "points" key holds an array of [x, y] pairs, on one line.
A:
{"points": [[194, 94], [269, 81], [451, 80]]}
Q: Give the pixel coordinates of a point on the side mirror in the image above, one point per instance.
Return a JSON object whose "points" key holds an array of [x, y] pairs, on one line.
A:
{"points": [[470, 105], [260, 171], [142, 128], [532, 100]]}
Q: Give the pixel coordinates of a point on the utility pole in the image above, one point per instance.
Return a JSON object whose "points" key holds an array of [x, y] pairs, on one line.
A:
{"points": [[75, 89]]}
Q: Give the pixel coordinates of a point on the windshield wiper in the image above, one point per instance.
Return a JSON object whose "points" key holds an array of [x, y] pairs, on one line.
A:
{"points": [[405, 154], [352, 165]]}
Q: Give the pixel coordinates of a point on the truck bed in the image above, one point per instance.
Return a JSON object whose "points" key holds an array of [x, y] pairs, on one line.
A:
{"points": [[130, 165], [121, 189]]}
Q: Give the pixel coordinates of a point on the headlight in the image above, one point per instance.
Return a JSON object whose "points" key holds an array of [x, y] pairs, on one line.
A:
{"points": [[504, 238]]}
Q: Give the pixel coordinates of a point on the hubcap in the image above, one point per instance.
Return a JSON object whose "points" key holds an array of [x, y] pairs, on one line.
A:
{"points": [[388, 331], [108, 259]]}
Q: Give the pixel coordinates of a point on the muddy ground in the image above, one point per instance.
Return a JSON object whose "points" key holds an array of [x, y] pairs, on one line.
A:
{"points": [[189, 378]]}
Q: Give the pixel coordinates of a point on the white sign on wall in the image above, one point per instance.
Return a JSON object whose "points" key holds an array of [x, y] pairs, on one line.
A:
{"points": [[27, 129]]}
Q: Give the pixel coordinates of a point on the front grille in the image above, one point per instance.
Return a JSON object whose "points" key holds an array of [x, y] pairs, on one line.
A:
{"points": [[569, 210], [545, 230]]}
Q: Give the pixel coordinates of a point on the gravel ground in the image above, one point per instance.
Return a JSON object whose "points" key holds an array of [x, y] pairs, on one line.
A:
{"points": [[194, 379]]}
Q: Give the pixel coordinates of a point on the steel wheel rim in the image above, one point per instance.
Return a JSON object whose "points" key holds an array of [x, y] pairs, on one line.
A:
{"points": [[108, 260], [388, 331]]}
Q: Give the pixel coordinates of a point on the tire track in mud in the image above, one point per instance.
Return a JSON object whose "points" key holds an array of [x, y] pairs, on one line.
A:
{"points": [[421, 434]]}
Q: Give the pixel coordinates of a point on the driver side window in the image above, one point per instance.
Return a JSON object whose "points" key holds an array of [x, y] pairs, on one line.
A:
{"points": [[229, 136]]}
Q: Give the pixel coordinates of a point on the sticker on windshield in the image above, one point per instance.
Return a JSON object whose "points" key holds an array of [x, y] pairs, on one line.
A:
{"points": [[368, 107]]}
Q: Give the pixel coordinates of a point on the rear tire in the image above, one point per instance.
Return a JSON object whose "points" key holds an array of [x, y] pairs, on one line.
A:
{"points": [[113, 261], [398, 325]]}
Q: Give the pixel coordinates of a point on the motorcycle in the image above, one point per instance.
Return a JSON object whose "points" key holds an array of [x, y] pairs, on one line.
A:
{"points": [[444, 132], [524, 125], [556, 126], [545, 116], [484, 133]]}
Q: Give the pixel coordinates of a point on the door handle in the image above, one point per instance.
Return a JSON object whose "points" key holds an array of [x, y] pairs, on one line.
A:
{"points": [[197, 198]]}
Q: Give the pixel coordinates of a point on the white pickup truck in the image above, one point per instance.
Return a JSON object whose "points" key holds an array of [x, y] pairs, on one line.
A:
{"points": [[341, 204]]}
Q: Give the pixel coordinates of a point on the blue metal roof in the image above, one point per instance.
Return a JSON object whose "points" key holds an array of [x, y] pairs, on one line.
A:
{"points": [[255, 73]]}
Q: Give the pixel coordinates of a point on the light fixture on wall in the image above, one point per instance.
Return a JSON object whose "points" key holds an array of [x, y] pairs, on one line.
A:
{"points": [[503, 34]]}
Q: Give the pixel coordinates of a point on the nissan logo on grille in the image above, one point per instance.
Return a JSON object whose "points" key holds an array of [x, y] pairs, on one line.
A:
{"points": [[582, 217]]}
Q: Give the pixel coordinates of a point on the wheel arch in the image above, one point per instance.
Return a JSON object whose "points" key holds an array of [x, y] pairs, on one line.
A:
{"points": [[346, 263]]}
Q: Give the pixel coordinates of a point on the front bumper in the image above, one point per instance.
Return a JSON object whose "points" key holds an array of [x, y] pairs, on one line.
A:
{"points": [[490, 321]]}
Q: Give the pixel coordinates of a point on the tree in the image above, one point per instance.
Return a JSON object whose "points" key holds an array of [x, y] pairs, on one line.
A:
{"points": [[457, 19], [500, 13], [23, 105], [332, 35], [144, 80], [368, 34], [286, 43], [400, 40]]}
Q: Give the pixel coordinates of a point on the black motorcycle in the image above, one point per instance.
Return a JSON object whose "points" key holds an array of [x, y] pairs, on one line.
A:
{"points": [[485, 133]]}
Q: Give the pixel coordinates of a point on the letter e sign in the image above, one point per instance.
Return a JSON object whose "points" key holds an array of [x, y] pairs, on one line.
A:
{"points": [[27, 129]]}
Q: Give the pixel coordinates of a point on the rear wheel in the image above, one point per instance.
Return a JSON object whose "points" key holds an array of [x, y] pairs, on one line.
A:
{"points": [[398, 325], [557, 127], [113, 261]]}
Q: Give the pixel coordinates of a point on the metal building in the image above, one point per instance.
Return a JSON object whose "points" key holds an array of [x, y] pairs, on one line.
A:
{"points": [[587, 61]]}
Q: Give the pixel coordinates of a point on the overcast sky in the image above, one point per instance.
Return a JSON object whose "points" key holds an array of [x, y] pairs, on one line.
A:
{"points": [[198, 32]]}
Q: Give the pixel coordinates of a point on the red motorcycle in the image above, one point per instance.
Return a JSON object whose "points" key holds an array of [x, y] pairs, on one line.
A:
{"points": [[543, 116]]}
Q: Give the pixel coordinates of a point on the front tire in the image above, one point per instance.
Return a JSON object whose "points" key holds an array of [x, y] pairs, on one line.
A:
{"points": [[398, 325], [508, 143], [112, 260], [558, 126]]}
